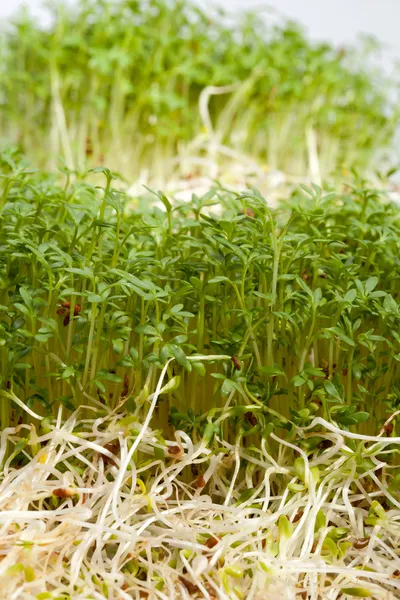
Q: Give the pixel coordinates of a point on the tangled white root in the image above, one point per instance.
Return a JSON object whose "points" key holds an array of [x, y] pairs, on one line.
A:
{"points": [[79, 520]]}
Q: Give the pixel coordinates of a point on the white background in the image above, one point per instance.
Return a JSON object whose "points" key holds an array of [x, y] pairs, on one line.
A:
{"points": [[336, 20]]}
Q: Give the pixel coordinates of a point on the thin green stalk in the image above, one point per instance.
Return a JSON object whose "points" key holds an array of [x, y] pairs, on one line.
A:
{"points": [[89, 350]]}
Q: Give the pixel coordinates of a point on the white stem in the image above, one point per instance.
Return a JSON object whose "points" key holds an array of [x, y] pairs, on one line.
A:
{"points": [[313, 160]]}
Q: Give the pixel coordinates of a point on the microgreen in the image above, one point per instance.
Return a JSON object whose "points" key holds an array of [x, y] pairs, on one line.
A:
{"points": [[96, 301], [248, 361], [199, 397], [99, 85], [270, 537]]}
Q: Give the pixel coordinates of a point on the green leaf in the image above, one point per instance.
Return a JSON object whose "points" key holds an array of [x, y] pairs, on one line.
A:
{"points": [[317, 296], [378, 509], [320, 521], [171, 386], [299, 468], [66, 401], [350, 296], [29, 574], [371, 284], [105, 171], [185, 313], [165, 201], [390, 304], [40, 337], [27, 298], [314, 372], [285, 527], [227, 387], [147, 330], [25, 332], [338, 533], [341, 335], [196, 283], [199, 368], [274, 371], [179, 355], [361, 417], [22, 308], [118, 346], [68, 372], [331, 390], [357, 592], [246, 495], [177, 308], [95, 298], [296, 487], [100, 385], [133, 353], [110, 199], [218, 279], [15, 570], [107, 376], [86, 272], [329, 547], [268, 297]]}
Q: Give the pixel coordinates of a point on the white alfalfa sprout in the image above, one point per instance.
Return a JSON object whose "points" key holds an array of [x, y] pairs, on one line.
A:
{"points": [[81, 546]]}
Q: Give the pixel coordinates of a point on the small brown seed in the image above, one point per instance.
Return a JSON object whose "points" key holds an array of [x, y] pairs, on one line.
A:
{"points": [[236, 363], [112, 447], [297, 516], [63, 493], [325, 444], [174, 450], [89, 147], [251, 418], [388, 429], [249, 212], [361, 543], [396, 573], [211, 542], [125, 390], [200, 482], [191, 587], [210, 591]]}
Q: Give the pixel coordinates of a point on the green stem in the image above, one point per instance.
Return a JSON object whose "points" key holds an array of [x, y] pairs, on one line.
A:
{"points": [[350, 377], [93, 312]]}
